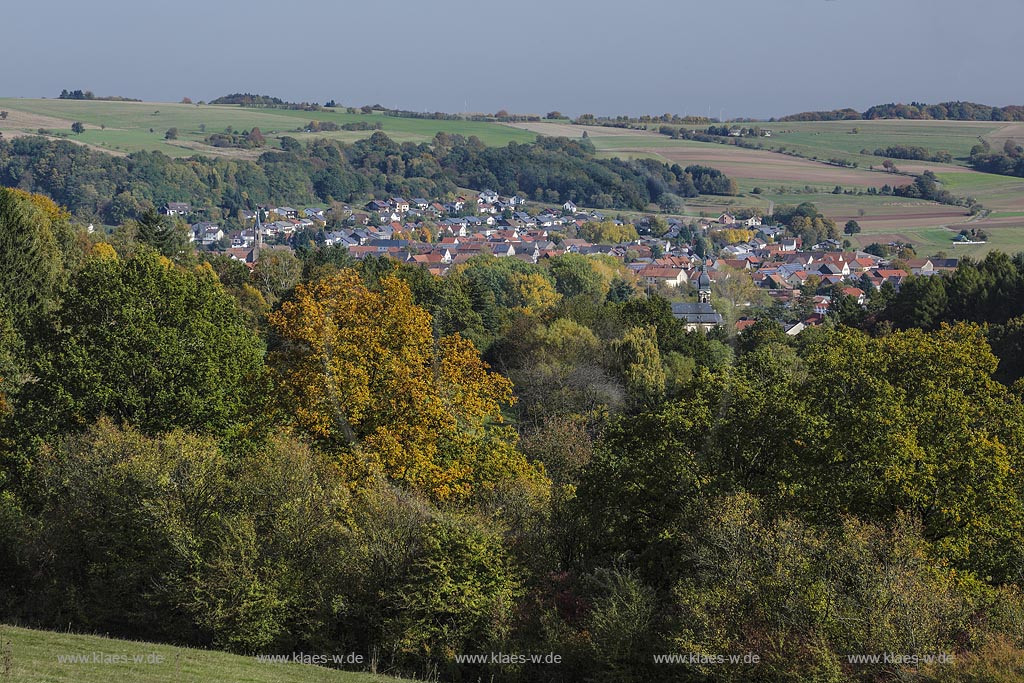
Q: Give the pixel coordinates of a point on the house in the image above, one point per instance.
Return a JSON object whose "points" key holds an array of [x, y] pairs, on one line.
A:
{"points": [[246, 255], [670, 276], [855, 293], [726, 219], [176, 209], [206, 234], [569, 207], [286, 211]]}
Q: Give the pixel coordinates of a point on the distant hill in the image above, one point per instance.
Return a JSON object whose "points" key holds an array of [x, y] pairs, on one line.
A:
{"points": [[944, 111], [250, 100], [30, 656]]}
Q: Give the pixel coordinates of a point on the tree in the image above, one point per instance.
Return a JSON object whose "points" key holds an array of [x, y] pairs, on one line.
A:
{"points": [[608, 232], [640, 363], [168, 237], [276, 272], [361, 371], [255, 137], [171, 134], [77, 127], [575, 276], [37, 249], [144, 342], [3, 115], [852, 227]]}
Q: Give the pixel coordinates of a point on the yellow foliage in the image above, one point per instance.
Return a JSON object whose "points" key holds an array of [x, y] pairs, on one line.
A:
{"points": [[608, 232], [362, 371], [103, 250], [733, 235], [53, 211], [532, 292]]}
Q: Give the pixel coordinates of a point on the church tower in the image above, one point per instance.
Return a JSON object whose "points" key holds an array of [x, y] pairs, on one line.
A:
{"points": [[258, 244], [703, 286]]}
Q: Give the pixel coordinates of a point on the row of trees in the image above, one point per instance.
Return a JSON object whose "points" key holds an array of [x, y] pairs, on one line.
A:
{"points": [[1009, 162], [912, 152], [94, 184], [953, 111]]}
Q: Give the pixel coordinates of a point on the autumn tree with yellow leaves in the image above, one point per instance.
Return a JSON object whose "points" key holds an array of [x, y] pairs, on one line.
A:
{"points": [[361, 372]]}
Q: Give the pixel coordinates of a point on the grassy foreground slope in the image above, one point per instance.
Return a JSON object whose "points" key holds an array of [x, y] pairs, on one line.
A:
{"points": [[30, 656]]}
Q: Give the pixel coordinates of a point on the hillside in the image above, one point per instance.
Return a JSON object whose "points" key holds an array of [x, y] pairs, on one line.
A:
{"points": [[790, 167], [123, 127], [34, 657]]}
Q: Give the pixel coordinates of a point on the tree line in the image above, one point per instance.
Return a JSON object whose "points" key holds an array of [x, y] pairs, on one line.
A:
{"points": [[951, 111], [1008, 162], [114, 189]]}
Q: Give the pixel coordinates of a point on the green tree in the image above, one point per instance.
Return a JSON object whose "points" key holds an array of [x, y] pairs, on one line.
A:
{"points": [[77, 127], [575, 275], [171, 134], [37, 248], [167, 236], [852, 227], [144, 342], [276, 272], [641, 366]]}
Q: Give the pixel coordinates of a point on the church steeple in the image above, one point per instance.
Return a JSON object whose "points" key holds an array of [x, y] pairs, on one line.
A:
{"points": [[703, 286], [258, 244]]}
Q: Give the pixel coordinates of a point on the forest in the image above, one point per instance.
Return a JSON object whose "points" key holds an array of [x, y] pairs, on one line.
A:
{"points": [[951, 111], [326, 455], [109, 189]]}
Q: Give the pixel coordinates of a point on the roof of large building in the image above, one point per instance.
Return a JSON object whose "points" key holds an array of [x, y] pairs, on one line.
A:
{"points": [[699, 313]]}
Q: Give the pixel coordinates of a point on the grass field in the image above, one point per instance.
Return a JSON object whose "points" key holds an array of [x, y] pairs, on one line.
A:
{"points": [[132, 126], [30, 656]]}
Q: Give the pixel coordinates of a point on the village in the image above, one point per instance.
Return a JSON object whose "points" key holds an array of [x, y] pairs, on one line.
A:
{"points": [[438, 235]]}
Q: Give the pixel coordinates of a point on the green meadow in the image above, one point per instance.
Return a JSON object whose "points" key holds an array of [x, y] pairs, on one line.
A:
{"points": [[133, 126], [30, 656]]}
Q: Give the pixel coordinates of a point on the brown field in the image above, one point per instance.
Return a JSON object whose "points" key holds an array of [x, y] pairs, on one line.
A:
{"points": [[751, 163], [569, 130], [1004, 222], [918, 167], [208, 150], [999, 137], [888, 238], [897, 221], [18, 121]]}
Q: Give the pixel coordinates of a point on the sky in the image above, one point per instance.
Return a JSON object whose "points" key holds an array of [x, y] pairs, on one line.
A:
{"points": [[729, 58]]}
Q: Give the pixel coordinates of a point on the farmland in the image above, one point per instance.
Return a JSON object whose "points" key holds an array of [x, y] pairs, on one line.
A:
{"points": [[133, 126]]}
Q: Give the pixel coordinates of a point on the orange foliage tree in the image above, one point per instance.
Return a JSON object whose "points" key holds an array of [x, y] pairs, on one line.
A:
{"points": [[361, 371]]}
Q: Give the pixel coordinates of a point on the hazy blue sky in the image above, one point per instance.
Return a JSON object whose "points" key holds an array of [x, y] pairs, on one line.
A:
{"points": [[738, 57]]}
